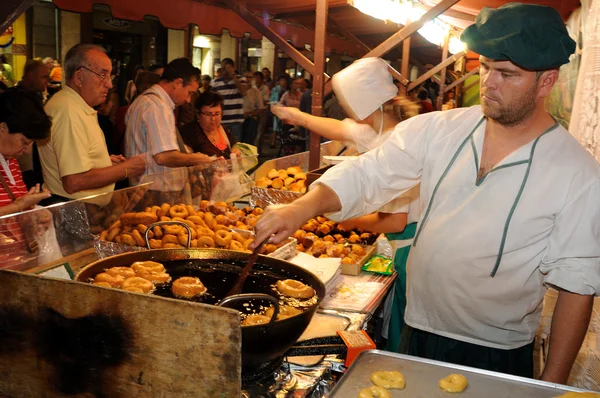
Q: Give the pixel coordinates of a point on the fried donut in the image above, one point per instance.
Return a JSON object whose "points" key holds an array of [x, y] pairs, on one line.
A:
{"points": [[188, 287], [354, 239], [285, 311], [103, 284], [222, 219], [453, 383], [323, 229], [358, 250], [172, 229], [209, 219], [170, 239], [328, 238], [158, 233], [165, 218], [125, 272], [142, 229], [258, 211], [251, 220], [235, 245], [295, 289], [112, 280], [204, 205], [388, 379], [112, 234], [237, 237], [147, 266], [206, 241], [116, 224], [103, 235], [223, 238], [374, 392], [220, 207], [155, 210], [197, 220], [247, 243], [139, 241], [309, 227], [190, 210], [178, 211], [255, 319], [155, 243], [137, 284], [164, 210], [178, 219], [299, 235], [172, 246], [128, 239], [270, 248], [205, 232]]}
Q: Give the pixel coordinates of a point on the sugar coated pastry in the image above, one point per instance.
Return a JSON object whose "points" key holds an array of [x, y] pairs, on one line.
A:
{"points": [[453, 383], [374, 392], [388, 379]]}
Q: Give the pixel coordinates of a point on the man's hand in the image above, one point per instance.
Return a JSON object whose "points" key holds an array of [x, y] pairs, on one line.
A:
{"points": [[278, 222], [237, 152], [116, 159], [32, 198], [289, 115], [200, 158], [135, 165]]}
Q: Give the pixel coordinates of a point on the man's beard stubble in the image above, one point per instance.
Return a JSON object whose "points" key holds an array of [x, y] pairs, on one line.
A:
{"points": [[516, 112]]}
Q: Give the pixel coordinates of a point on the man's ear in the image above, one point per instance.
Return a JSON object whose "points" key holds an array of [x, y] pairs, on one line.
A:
{"points": [[547, 81]]}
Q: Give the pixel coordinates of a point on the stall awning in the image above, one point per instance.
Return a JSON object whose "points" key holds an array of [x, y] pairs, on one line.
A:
{"points": [[210, 19]]}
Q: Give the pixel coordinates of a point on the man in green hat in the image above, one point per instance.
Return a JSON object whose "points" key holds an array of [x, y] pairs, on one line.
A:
{"points": [[509, 205]]}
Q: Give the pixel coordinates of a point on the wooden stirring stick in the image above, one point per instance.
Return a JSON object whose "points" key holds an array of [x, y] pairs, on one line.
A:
{"points": [[246, 271]]}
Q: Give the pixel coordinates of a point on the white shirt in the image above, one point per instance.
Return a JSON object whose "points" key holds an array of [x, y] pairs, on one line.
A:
{"points": [[552, 238], [366, 139]]}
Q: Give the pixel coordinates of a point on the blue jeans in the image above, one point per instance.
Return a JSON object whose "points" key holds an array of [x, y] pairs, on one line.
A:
{"points": [[236, 130]]}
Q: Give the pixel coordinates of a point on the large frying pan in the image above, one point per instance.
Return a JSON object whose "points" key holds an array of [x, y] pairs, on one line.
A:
{"points": [[218, 269]]}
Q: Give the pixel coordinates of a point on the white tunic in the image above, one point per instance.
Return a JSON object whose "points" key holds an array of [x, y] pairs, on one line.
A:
{"points": [[532, 222]]}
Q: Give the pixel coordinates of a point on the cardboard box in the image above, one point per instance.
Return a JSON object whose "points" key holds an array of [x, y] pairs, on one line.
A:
{"points": [[355, 269]]}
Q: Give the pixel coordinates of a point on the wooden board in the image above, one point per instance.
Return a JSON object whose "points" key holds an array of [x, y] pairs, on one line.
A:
{"points": [[60, 338]]}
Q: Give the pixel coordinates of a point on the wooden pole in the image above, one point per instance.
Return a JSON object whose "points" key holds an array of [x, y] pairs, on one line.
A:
{"points": [[318, 80], [409, 29], [10, 10], [279, 42], [440, 98], [462, 79], [405, 62], [435, 70]]}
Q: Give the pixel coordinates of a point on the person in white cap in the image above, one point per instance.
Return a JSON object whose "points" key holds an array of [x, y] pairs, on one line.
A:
{"points": [[510, 202], [366, 92]]}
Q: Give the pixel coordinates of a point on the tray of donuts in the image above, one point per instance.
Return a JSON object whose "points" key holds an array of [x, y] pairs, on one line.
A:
{"points": [[279, 187], [211, 225]]}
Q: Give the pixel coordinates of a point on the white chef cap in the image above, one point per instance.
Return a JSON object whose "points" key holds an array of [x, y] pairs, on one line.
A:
{"points": [[364, 86]]}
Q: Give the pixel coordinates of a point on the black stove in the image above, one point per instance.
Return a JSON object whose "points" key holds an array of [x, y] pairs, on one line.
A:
{"points": [[265, 380]]}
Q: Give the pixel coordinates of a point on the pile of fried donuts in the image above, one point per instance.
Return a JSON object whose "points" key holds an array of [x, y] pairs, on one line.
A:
{"points": [[211, 227], [291, 179], [385, 380], [140, 277], [287, 288], [324, 238]]}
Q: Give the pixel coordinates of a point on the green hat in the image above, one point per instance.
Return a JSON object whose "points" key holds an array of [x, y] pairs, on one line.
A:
{"points": [[531, 36]]}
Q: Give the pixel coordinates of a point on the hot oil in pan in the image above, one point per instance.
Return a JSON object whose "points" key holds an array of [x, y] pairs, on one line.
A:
{"points": [[219, 278]]}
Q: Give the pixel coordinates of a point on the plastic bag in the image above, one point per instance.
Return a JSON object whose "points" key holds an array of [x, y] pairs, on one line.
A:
{"points": [[229, 180]]}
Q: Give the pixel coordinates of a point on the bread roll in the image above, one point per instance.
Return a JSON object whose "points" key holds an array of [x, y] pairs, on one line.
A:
{"points": [[283, 174], [289, 181], [263, 182], [277, 183], [273, 174], [300, 176]]}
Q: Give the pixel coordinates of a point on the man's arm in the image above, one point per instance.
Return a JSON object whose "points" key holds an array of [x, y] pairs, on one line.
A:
{"points": [[569, 326], [101, 177], [179, 159], [283, 221]]}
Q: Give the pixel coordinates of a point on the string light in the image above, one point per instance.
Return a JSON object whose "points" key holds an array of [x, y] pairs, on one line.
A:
{"points": [[405, 11]]}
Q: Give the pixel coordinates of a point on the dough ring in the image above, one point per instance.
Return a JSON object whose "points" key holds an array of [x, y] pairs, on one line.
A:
{"points": [[255, 319], [147, 266], [223, 238], [295, 289], [136, 284], [453, 383], [388, 379], [188, 287], [125, 272], [374, 392], [178, 211]]}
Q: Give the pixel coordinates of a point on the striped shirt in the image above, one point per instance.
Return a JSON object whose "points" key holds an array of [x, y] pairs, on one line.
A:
{"points": [[233, 104], [151, 130], [10, 229]]}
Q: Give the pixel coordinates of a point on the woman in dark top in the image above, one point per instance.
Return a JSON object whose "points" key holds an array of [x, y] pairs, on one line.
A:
{"points": [[206, 134]]}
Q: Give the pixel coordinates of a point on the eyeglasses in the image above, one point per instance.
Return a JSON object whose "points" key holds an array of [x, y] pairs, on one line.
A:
{"points": [[104, 77], [208, 114]]}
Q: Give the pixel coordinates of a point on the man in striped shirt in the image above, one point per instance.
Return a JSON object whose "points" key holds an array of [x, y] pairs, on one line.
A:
{"points": [[228, 86], [151, 124]]}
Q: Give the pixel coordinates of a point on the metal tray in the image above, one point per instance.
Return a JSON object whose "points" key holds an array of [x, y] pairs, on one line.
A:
{"points": [[422, 376]]}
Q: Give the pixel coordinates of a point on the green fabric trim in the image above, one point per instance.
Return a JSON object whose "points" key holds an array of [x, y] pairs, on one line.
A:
{"points": [[476, 155], [460, 148], [516, 202], [408, 233], [520, 162]]}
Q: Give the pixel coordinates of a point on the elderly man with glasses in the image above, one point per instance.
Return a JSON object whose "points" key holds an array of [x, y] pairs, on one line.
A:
{"points": [[75, 160]]}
